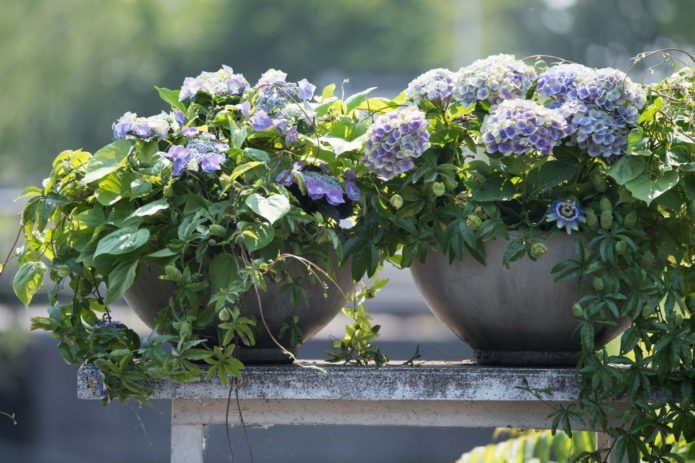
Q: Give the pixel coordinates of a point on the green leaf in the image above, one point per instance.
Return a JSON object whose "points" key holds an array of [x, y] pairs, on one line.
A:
{"points": [[240, 169], [271, 208], [327, 92], [237, 134], [171, 97], [28, 280], [222, 270], [122, 241], [106, 160], [264, 235], [355, 100], [258, 155], [646, 189], [341, 146], [627, 168], [494, 189], [151, 208], [120, 279], [549, 175]]}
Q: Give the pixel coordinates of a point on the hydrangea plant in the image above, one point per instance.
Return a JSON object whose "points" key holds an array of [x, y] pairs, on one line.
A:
{"points": [[521, 155], [217, 192]]}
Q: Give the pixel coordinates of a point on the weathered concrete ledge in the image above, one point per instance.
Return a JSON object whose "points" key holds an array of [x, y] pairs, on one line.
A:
{"points": [[428, 381]]}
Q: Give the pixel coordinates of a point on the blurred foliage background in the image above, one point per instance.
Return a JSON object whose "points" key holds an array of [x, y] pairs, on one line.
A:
{"points": [[70, 67]]}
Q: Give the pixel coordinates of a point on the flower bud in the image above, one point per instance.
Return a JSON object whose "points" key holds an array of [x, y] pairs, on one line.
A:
{"points": [[538, 250], [473, 222], [396, 201], [577, 310], [438, 188], [591, 219], [647, 258], [217, 230], [648, 310], [598, 283], [605, 204], [461, 199], [173, 273], [212, 242], [631, 219], [620, 247], [599, 182], [606, 219]]}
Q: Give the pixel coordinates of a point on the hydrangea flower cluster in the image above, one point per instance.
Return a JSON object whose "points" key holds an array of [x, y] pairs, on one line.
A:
{"points": [[493, 79], [204, 152], [600, 105], [146, 128], [566, 214], [222, 82], [436, 85], [277, 104], [319, 185], [394, 140], [522, 126]]}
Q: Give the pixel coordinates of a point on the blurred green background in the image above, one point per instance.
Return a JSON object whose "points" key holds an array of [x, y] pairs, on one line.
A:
{"points": [[69, 68]]}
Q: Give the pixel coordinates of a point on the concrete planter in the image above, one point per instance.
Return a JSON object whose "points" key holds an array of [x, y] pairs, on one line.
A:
{"points": [[149, 294], [516, 316]]}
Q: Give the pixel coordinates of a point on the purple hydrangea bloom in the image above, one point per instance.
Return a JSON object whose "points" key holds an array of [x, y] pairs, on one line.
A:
{"points": [[261, 121], [190, 132], [292, 136], [559, 82], [180, 118], [493, 79], [221, 82], [319, 186], [597, 131], [393, 140], [436, 85], [180, 156], [211, 162], [146, 128], [306, 89], [566, 214], [610, 90], [203, 153], [245, 109], [351, 190], [522, 126]]}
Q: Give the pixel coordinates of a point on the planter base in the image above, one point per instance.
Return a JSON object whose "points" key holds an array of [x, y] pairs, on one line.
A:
{"points": [[526, 358], [265, 356]]}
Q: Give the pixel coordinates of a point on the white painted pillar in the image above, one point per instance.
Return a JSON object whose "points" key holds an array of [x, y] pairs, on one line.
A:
{"points": [[187, 440]]}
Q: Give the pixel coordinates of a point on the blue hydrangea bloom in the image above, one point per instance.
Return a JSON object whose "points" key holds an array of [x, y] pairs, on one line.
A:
{"points": [[560, 81], [436, 85], [599, 132], [566, 214], [320, 185], [522, 126], [493, 79], [394, 140], [221, 82], [261, 121], [610, 90], [131, 126]]}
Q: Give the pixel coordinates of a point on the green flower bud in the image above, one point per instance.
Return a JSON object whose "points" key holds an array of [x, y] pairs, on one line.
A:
{"points": [[396, 201], [648, 310], [473, 221], [438, 188], [450, 183], [620, 247], [624, 196], [224, 315], [212, 242], [173, 273], [647, 258], [598, 283], [631, 219], [605, 204], [217, 230], [606, 219], [591, 219], [599, 182], [577, 310], [168, 191], [480, 212], [538, 250]]}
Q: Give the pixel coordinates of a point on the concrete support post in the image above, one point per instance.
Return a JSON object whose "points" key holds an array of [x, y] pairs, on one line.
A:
{"points": [[187, 440]]}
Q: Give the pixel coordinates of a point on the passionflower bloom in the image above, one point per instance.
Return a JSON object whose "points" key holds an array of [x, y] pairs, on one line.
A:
{"points": [[203, 153], [566, 214], [94, 379], [522, 126], [222, 82], [493, 79], [394, 140], [436, 85], [146, 128]]}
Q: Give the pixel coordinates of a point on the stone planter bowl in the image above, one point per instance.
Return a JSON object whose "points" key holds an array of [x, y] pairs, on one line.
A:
{"points": [[515, 316], [149, 294]]}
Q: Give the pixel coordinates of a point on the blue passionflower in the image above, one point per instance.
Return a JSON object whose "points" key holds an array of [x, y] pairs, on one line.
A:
{"points": [[94, 379], [567, 214]]}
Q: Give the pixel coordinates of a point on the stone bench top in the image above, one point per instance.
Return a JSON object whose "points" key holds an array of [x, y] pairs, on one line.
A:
{"points": [[425, 381]]}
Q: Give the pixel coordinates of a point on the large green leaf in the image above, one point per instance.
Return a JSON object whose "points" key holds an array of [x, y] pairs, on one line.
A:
{"points": [[494, 189], [627, 168], [340, 145], [262, 236], [120, 279], [271, 208], [151, 208], [222, 270], [106, 160], [355, 100], [28, 280], [122, 241], [549, 175], [171, 97], [647, 189]]}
